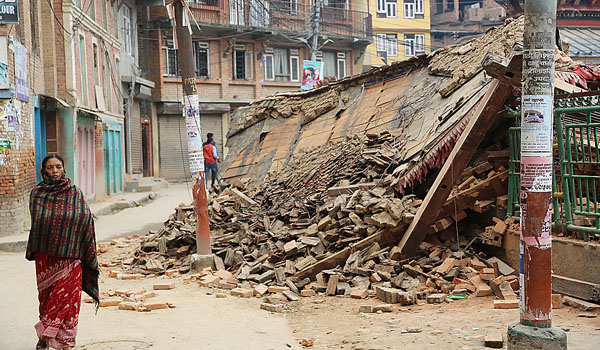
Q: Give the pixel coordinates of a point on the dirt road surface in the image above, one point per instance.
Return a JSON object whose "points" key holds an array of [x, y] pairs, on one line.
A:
{"points": [[202, 321]]}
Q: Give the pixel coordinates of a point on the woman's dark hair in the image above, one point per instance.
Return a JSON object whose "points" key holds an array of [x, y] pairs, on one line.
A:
{"points": [[47, 158]]}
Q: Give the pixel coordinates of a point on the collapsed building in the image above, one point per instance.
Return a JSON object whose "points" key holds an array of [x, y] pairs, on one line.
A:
{"points": [[389, 180]]}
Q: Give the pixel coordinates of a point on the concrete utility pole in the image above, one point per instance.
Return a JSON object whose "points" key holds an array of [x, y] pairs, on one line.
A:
{"points": [[537, 114], [315, 31], [194, 132]]}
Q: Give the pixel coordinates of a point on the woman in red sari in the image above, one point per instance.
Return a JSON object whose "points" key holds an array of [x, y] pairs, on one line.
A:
{"points": [[62, 242]]}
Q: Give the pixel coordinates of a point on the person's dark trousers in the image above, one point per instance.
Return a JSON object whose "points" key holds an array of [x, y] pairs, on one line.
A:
{"points": [[213, 169]]}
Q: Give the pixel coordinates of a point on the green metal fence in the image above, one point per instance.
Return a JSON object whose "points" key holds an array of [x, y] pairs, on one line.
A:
{"points": [[576, 179]]}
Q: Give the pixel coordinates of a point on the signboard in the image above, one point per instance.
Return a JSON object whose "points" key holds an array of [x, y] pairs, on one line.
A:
{"points": [[311, 74], [4, 147], [21, 72], [9, 12]]}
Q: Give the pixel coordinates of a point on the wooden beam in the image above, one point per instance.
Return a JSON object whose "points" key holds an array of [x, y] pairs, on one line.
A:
{"points": [[384, 238], [487, 189], [576, 288], [481, 117]]}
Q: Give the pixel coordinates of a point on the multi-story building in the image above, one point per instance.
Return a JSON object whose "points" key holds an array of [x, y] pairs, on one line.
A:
{"points": [[85, 125], [21, 87], [246, 49], [457, 21], [136, 88], [401, 29], [59, 93]]}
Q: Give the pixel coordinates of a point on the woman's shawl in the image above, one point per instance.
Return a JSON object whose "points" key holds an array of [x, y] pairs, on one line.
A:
{"points": [[62, 226]]}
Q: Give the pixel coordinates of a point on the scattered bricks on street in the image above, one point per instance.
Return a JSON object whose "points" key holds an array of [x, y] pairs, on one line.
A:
{"points": [[242, 292], [226, 285], [436, 298], [113, 273], [110, 302], [481, 289], [128, 306], [587, 315], [383, 308], [149, 295], [468, 286], [266, 277], [132, 276], [460, 291], [88, 300], [507, 292], [477, 264], [359, 293], [506, 304], [209, 280], [487, 274], [224, 274], [557, 301], [122, 293], [308, 293], [375, 277], [277, 289], [155, 306], [332, 284], [171, 272], [163, 286], [366, 309], [494, 341], [272, 307], [291, 296], [260, 289], [447, 288], [220, 295]]}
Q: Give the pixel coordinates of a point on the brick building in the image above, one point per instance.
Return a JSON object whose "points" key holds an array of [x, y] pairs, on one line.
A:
{"points": [[67, 52], [457, 21], [19, 82], [245, 50]]}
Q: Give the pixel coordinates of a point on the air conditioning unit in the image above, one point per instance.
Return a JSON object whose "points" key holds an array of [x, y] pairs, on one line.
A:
{"points": [[294, 52], [202, 45], [239, 47], [169, 42], [341, 55], [319, 53], [268, 50]]}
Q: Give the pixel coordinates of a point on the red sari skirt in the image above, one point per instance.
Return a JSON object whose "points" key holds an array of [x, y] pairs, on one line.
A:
{"points": [[59, 292]]}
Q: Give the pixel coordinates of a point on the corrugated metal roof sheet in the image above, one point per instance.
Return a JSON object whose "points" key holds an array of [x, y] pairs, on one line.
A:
{"points": [[584, 41]]}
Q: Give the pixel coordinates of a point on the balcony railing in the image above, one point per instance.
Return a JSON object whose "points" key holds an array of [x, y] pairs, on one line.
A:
{"points": [[285, 15]]}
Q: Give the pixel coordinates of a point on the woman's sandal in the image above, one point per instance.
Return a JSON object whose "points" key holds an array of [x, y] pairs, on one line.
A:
{"points": [[41, 345]]}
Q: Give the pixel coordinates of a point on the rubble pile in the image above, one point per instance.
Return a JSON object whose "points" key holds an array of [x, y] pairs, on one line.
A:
{"points": [[322, 203]]}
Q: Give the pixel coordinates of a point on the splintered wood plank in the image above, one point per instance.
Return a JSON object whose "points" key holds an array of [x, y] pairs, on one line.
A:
{"points": [[576, 288], [384, 238], [481, 117]]}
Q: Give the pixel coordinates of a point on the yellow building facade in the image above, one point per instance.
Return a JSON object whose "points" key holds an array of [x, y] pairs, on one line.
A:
{"points": [[401, 29]]}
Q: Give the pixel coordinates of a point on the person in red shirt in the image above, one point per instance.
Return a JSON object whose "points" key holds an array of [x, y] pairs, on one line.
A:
{"points": [[211, 157]]}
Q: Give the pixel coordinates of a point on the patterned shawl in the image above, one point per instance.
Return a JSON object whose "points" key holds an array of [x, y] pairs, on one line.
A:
{"points": [[62, 226]]}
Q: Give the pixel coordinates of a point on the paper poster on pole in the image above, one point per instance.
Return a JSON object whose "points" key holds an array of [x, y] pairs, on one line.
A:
{"points": [[536, 200], [536, 173], [536, 123], [194, 133], [311, 74]]}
